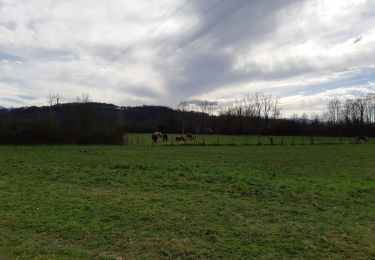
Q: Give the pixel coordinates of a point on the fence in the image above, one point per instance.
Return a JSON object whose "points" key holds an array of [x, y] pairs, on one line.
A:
{"points": [[216, 140]]}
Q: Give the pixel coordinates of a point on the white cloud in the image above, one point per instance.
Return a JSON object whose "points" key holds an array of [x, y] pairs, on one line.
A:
{"points": [[111, 49], [307, 103]]}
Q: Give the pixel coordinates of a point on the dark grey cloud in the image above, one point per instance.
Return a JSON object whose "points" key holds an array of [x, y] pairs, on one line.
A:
{"points": [[358, 39], [143, 92], [235, 24], [203, 64], [238, 21]]}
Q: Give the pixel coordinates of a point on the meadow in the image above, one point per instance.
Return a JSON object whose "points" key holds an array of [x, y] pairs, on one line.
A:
{"points": [[188, 202]]}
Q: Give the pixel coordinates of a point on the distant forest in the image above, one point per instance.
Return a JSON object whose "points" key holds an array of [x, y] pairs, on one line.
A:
{"points": [[86, 122]]}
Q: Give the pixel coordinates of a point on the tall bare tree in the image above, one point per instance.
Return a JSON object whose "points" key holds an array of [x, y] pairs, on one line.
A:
{"points": [[84, 98], [183, 107], [360, 104], [52, 99], [276, 110], [334, 111]]}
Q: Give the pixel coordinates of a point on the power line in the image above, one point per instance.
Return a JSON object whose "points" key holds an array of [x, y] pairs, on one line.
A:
{"points": [[171, 14], [211, 9], [200, 18], [167, 16]]}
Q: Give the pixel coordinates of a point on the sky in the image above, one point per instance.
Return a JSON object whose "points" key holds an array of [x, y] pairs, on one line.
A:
{"points": [[161, 52]]}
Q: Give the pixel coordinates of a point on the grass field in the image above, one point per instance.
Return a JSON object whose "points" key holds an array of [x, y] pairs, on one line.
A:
{"points": [[187, 202], [145, 140]]}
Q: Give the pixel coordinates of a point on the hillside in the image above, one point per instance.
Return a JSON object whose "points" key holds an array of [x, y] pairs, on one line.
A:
{"points": [[107, 123]]}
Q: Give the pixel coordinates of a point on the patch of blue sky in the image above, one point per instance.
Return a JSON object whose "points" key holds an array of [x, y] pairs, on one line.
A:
{"points": [[9, 57], [12, 100], [26, 97], [362, 78], [12, 81]]}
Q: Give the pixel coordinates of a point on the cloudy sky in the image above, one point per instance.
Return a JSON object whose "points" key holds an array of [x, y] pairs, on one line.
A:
{"points": [[134, 52]]}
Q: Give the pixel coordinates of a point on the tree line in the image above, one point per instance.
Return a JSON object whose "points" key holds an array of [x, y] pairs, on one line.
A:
{"points": [[86, 122], [358, 112], [261, 114], [80, 122]]}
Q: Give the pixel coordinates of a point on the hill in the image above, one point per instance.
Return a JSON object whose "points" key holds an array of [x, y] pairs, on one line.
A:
{"points": [[102, 123]]}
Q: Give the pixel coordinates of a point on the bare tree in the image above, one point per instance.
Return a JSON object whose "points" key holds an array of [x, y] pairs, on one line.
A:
{"points": [[257, 99], [356, 114], [304, 118], [212, 107], [346, 111], [315, 117], [183, 107], [85, 98], [83, 111], [238, 108], [208, 108], [334, 111], [354, 111], [266, 105], [370, 108], [52, 99], [222, 109], [276, 110], [360, 104], [204, 107], [249, 106]]}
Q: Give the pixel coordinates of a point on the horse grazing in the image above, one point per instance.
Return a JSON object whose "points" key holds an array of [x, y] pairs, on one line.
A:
{"points": [[361, 139], [180, 139], [190, 136], [155, 136]]}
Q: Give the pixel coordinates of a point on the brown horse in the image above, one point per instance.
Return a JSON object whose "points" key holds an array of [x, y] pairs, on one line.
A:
{"points": [[155, 136], [180, 139], [190, 136], [361, 139]]}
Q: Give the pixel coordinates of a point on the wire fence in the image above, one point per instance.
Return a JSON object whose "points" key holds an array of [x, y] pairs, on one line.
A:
{"points": [[224, 140]]}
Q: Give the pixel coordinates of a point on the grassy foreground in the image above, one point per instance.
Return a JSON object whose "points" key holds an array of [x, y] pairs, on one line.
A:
{"points": [[187, 202]]}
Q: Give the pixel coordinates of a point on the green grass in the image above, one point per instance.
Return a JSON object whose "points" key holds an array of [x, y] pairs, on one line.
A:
{"points": [[145, 140], [187, 202]]}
